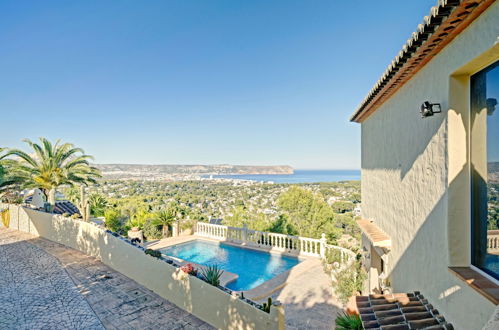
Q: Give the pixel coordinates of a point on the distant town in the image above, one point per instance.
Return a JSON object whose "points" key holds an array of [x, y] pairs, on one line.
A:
{"points": [[184, 172]]}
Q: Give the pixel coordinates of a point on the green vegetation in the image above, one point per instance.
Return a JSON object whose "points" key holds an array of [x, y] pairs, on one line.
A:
{"points": [[307, 214], [303, 209], [493, 206], [113, 220], [153, 253], [348, 322], [165, 218], [49, 166], [332, 256], [212, 274], [266, 306], [350, 281], [151, 231], [98, 204], [343, 206], [155, 206], [7, 179]]}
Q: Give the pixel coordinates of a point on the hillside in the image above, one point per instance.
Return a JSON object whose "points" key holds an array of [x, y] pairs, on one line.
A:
{"points": [[493, 169], [133, 171]]}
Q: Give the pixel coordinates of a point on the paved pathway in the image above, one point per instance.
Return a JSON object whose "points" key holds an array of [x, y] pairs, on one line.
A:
{"points": [[308, 300], [36, 292], [50, 286]]}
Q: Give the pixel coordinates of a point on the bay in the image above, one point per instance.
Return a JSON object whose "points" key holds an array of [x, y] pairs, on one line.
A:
{"points": [[300, 176]]}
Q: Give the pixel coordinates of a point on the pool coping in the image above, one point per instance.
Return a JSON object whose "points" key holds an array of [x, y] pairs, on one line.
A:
{"points": [[259, 292], [226, 278]]}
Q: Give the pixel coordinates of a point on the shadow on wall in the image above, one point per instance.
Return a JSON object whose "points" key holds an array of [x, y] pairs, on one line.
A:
{"points": [[402, 142], [442, 239], [430, 208], [209, 303]]}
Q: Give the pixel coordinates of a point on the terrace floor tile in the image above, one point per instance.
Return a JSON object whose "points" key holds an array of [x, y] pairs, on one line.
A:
{"points": [[88, 293]]}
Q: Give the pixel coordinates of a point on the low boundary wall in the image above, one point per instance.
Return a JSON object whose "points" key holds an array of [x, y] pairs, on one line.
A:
{"points": [[210, 304]]}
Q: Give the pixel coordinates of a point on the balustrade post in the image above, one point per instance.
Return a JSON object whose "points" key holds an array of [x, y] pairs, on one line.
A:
{"points": [[323, 246], [245, 233]]}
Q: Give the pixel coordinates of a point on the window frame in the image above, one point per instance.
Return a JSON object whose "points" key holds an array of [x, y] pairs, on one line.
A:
{"points": [[473, 176]]}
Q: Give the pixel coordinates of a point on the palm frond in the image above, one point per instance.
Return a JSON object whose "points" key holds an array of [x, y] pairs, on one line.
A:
{"points": [[53, 165]]}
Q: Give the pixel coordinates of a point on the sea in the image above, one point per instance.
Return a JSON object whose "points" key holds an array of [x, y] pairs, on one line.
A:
{"points": [[300, 176]]}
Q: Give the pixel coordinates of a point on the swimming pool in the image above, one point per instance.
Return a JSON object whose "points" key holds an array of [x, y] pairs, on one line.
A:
{"points": [[253, 267]]}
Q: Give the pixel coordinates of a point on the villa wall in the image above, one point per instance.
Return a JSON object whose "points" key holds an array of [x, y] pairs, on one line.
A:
{"points": [[208, 303], [415, 176]]}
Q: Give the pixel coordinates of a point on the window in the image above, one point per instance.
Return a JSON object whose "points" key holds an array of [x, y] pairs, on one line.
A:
{"points": [[485, 170]]}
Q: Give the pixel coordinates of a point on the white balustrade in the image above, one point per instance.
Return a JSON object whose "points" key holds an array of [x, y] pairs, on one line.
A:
{"points": [[211, 231], [493, 241], [280, 242]]}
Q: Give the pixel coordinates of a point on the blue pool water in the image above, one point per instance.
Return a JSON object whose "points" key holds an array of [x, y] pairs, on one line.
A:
{"points": [[492, 263], [253, 267]]}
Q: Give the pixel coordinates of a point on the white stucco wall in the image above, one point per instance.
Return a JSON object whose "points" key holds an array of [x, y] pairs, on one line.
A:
{"points": [[203, 300], [406, 179]]}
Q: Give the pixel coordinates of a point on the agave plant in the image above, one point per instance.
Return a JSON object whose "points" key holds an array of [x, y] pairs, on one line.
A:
{"points": [[212, 274], [348, 322], [53, 165]]}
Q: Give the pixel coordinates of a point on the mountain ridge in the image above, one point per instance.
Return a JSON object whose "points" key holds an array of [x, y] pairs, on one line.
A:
{"points": [[145, 170]]}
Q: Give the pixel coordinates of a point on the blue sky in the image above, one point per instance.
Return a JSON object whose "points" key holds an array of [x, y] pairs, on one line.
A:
{"points": [[198, 82]]}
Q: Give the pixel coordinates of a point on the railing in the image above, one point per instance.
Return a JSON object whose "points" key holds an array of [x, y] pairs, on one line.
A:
{"points": [[278, 242], [212, 231], [344, 257], [493, 241]]}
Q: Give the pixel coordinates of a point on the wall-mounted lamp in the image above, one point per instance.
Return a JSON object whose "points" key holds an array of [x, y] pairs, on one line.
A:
{"points": [[429, 109]]}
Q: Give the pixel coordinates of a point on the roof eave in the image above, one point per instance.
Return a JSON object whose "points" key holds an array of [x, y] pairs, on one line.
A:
{"points": [[445, 21]]}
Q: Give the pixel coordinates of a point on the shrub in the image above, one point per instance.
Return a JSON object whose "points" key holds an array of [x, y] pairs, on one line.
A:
{"points": [[113, 220], [212, 274], [189, 269], [348, 322], [187, 224], [152, 230], [332, 256], [153, 253], [349, 281], [343, 206]]}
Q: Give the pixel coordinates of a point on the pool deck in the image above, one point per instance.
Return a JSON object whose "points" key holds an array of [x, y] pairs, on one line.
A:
{"points": [[305, 290]]}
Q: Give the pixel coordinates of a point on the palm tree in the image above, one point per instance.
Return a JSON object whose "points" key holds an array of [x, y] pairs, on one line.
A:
{"points": [[98, 204], [7, 178], [72, 194], [164, 218], [53, 165], [167, 216]]}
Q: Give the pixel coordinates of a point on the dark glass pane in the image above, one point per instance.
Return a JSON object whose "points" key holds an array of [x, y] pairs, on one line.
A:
{"points": [[485, 170]]}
